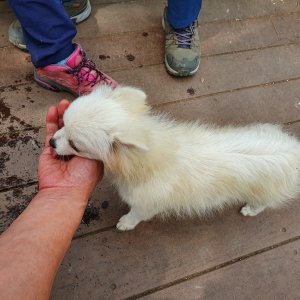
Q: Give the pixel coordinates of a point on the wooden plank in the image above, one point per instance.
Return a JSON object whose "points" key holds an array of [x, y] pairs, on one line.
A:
{"points": [[142, 48], [287, 27], [273, 103], [25, 106], [5, 20], [217, 74], [114, 265], [4, 7], [19, 154], [229, 10], [127, 16], [246, 69], [270, 275]]}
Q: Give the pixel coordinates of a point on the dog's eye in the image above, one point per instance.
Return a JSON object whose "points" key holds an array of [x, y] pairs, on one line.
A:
{"points": [[71, 143]]}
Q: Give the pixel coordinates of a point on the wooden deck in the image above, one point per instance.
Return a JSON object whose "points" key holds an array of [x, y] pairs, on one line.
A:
{"points": [[250, 72]]}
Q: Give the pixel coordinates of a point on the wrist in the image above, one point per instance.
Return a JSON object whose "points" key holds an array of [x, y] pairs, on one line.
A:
{"points": [[70, 194], [64, 200]]}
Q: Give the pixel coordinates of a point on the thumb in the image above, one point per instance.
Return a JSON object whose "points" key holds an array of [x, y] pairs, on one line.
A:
{"points": [[51, 123]]}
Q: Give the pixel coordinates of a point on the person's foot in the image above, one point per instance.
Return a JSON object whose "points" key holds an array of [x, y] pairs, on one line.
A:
{"points": [[78, 10], [15, 35], [77, 75], [182, 48]]}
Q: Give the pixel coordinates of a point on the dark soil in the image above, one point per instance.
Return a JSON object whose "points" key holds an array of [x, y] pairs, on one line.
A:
{"points": [[29, 77], [14, 206], [4, 110], [91, 213], [104, 205], [190, 91], [5, 114], [130, 57], [11, 181], [4, 157], [103, 56]]}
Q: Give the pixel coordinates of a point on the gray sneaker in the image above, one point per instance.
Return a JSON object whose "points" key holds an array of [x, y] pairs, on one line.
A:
{"points": [[182, 48], [78, 10], [15, 35]]}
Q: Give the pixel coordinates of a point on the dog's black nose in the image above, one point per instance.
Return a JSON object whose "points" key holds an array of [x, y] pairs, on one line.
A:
{"points": [[52, 143]]}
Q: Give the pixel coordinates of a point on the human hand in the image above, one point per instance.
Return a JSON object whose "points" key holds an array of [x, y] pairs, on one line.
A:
{"points": [[78, 174]]}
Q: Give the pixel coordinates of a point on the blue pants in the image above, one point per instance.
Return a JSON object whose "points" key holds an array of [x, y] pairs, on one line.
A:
{"points": [[48, 30], [182, 13]]}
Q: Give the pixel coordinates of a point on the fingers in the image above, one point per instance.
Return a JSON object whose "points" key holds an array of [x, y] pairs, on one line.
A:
{"points": [[62, 106], [51, 123]]}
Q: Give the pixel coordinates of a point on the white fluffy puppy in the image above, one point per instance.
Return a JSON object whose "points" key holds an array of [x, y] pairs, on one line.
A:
{"points": [[163, 167]]}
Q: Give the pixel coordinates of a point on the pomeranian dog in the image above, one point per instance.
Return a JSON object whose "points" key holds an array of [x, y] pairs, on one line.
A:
{"points": [[162, 167]]}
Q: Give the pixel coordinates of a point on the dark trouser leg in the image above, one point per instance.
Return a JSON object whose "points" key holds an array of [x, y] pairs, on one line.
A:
{"points": [[47, 29]]}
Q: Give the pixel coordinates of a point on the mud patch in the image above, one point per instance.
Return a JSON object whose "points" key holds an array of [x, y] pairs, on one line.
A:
{"points": [[190, 91], [29, 77], [11, 181], [12, 88], [104, 205], [4, 110], [4, 157], [14, 211], [130, 57], [3, 140], [16, 202], [91, 213], [103, 56], [5, 114], [16, 138]]}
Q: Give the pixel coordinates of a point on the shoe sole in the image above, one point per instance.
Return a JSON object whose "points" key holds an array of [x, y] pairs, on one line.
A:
{"points": [[182, 73], [18, 45], [51, 85]]}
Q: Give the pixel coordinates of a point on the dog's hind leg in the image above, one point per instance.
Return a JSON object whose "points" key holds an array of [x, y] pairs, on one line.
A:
{"points": [[134, 217], [251, 211]]}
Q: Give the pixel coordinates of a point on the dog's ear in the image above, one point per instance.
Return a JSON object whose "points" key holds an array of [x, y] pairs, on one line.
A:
{"points": [[132, 99], [135, 140]]}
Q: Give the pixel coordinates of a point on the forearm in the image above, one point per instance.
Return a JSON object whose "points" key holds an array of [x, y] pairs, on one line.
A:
{"points": [[33, 247]]}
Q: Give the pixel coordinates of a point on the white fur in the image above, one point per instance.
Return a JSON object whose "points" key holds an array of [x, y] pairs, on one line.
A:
{"points": [[163, 167]]}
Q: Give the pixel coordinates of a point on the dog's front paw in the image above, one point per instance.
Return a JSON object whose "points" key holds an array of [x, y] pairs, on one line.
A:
{"points": [[249, 211], [126, 223]]}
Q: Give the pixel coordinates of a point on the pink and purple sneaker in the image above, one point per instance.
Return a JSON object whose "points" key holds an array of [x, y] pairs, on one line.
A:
{"points": [[77, 75]]}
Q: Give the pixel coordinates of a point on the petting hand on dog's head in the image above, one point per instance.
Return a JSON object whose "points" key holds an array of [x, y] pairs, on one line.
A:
{"points": [[77, 174]]}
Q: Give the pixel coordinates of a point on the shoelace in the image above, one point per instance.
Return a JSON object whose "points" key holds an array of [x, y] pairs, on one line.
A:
{"points": [[83, 72], [184, 37]]}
